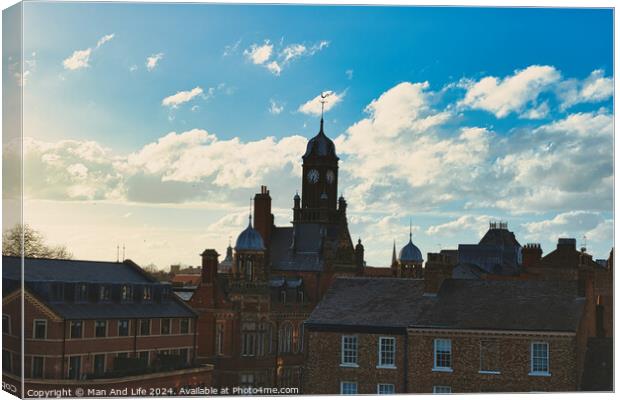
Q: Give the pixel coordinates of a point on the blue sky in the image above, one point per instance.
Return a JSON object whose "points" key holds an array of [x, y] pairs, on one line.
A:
{"points": [[450, 116]]}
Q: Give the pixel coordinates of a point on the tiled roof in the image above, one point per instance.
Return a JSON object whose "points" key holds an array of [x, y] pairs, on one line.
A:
{"points": [[504, 305], [370, 302], [49, 270], [171, 308]]}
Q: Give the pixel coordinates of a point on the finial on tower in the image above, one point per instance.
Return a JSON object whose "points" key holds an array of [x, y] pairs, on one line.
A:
{"points": [[324, 95], [410, 229]]}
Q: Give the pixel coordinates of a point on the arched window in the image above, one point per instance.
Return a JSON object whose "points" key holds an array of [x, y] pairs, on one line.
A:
{"points": [[264, 338], [248, 339], [248, 269], [285, 336]]}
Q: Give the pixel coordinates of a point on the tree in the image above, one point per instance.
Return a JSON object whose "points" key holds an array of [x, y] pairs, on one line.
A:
{"points": [[33, 242]]}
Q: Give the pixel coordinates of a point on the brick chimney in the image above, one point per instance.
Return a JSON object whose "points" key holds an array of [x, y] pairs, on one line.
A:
{"points": [[209, 266], [530, 255], [567, 244], [263, 218], [438, 268]]}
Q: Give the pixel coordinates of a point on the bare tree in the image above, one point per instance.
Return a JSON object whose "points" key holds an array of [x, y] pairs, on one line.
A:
{"points": [[33, 244]]}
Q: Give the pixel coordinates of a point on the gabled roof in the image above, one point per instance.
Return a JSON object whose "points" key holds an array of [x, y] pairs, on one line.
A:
{"points": [[50, 270], [504, 305]]}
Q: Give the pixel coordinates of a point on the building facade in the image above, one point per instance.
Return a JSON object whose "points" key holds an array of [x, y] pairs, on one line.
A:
{"points": [[88, 324]]}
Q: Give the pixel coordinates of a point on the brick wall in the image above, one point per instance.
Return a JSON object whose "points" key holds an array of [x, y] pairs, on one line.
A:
{"points": [[514, 361], [323, 373]]}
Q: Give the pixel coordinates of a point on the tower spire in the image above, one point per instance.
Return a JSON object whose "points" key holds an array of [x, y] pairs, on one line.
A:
{"points": [[324, 95], [394, 252], [410, 229]]}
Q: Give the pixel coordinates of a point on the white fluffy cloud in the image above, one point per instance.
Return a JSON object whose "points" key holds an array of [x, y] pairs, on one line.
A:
{"points": [[275, 61], [181, 97], [595, 88], [153, 60], [259, 54], [275, 107], [575, 224], [511, 94], [465, 224], [313, 106], [80, 58]]}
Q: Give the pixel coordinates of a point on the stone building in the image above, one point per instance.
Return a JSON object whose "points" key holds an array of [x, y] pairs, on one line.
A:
{"points": [[97, 325], [251, 315]]}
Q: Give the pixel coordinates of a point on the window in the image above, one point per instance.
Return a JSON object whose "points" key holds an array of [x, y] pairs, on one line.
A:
{"points": [[183, 354], [99, 364], [489, 356], [75, 330], [219, 339], [75, 365], [57, 292], [184, 325], [263, 340], [40, 329], [247, 380], [443, 355], [248, 338], [349, 351], [6, 324], [165, 326], [442, 389], [387, 349], [81, 292], [285, 336], [348, 387], [126, 355], [145, 327], [385, 388], [147, 294], [101, 328], [300, 296], [123, 327], [104, 293], [37, 367], [540, 358], [126, 293], [144, 356], [7, 361]]}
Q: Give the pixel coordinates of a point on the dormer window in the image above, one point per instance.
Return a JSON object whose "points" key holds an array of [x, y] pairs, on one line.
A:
{"points": [[57, 292], [81, 292], [104, 293], [147, 294], [126, 293]]}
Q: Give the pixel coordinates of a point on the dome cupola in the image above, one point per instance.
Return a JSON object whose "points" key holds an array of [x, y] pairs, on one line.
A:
{"points": [[249, 239]]}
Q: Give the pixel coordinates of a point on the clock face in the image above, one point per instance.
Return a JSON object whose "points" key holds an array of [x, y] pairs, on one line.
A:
{"points": [[313, 176], [330, 176]]}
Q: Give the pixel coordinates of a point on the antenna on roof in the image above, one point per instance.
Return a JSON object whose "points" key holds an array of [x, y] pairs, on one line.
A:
{"points": [[117, 253], [584, 244], [123, 251]]}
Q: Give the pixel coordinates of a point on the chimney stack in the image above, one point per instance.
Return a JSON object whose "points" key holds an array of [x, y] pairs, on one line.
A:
{"points": [[531, 254], [438, 268], [209, 266], [567, 244], [263, 218]]}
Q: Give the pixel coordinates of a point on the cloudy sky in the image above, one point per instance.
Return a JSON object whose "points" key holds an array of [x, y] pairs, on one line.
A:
{"points": [[153, 125]]}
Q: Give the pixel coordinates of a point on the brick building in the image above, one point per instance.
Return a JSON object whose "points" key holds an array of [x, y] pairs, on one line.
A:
{"points": [[494, 333], [95, 325], [251, 313]]}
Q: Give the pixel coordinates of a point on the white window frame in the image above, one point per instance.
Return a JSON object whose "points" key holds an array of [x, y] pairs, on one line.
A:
{"points": [[442, 389], [118, 327], [343, 362], [343, 383], [384, 385], [34, 328], [150, 321], [189, 326], [393, 364], [539, 373], [161, 326], [435, 366]]}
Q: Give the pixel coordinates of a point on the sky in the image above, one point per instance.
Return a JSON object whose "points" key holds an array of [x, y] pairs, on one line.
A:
{"points": [[152, 125]]}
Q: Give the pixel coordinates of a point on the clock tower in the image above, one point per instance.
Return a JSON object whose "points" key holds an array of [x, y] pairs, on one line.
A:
{"points": [[319, 180]]}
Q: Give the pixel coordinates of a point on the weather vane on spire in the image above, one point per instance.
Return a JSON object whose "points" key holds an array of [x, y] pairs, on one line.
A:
{"points": [[324, 95]]}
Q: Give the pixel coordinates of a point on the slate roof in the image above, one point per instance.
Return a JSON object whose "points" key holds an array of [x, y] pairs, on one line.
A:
{"points": [[51, 270], [504, 305], [320, 146], [375, 303], [308, 250], [370, 303], [41, 273]]}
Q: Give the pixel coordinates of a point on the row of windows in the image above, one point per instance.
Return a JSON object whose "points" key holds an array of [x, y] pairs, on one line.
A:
{"points": [[101, 328], [442, 355], [350, 387], [386, 351], [84, 292], [489, 356], [257, 338]]}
